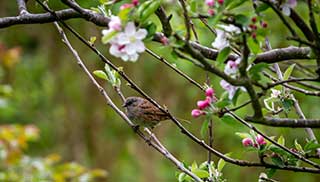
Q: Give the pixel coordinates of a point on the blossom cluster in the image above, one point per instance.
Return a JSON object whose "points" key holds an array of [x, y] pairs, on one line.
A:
{"points": [[253, 26], [231, 69], [126, 43], [211, 4], [259, 141], [204, 105]]}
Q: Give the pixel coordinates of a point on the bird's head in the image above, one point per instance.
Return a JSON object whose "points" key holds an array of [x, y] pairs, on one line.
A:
{"points": [[132, 101]]}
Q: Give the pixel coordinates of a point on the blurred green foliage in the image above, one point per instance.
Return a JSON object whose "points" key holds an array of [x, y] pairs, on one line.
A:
{"points": [[42, 85]]}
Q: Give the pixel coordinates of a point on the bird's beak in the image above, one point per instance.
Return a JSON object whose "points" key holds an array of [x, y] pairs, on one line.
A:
{"points": [[124, 105]]}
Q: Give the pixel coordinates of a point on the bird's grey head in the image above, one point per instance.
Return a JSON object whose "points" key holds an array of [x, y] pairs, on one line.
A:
{"points": [[132, 102]]}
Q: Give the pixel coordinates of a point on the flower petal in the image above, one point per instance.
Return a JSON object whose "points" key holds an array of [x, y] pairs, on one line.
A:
{"points": [[139, 46], [130, 29], [141, 34]]}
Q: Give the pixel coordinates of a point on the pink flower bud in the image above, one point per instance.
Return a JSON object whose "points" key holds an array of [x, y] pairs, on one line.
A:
{"points": [[209, 99], [247, 142], [211, 12], [210, 3], [125, 6], [196, 113], [260, 140], [135, 2], [209, 92], [202, 104], [254, 19], [164, 40], [254, 35], [264, 24], [220, 2]]}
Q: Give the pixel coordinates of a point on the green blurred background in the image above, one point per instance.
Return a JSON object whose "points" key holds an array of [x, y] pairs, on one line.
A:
{"points": [[50, 91]]}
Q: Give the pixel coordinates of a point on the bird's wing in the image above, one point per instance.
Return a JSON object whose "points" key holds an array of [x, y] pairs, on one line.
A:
{"points": [[152, 112]]}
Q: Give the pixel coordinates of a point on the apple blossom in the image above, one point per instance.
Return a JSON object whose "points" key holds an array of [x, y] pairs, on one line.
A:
{"points": [[220, 41], [135, 2], [275, 93], [209, 92], [247, 142], [202, 104], [232, 66], [126, 5], [229, 88], [115, 23], [196, 113], [260, 140], [210, 3], [126, 45]]}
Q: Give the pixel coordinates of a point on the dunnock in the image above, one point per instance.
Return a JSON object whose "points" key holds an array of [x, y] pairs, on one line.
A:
{"points": [[143, 113]]}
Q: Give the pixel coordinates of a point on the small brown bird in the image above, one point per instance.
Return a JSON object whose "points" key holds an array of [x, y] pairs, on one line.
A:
{"points": [[143, 113]]}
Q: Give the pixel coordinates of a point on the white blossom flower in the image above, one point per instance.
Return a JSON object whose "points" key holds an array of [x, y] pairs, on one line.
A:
{"points": [[286, 7], [275, 93], [221, 40], [115, 23], [232, 66], [126, 45], [229, 88], [231, 28], [114, 26]]}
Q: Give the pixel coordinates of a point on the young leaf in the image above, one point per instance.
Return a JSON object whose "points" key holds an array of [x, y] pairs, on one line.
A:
{"points": [[281, 140], [288, 72], [100, 74], [222, 56], [243, 135], [298, 146], [201, 173], [221, 164], [204, 128], [229, 120]]}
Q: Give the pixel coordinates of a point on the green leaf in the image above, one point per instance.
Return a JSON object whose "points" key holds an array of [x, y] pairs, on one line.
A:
{"points": [[124, 14], [181, 177], [288, 72], [287, 104], [243, 135], [236, 96], [222, 56], [271, 172], [100, 74], [229, 120], [150, 10], [278, 150], [242, 19], [151, 29], [311, 145], [261, 7], [92, 40], [234, 4], [106, 38], [281, 140], [194, 166], [223, 103], [221, 164], [255, 71], [204, 128], [298, 146], [200, 173], [254, 45], [277, 160]]}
